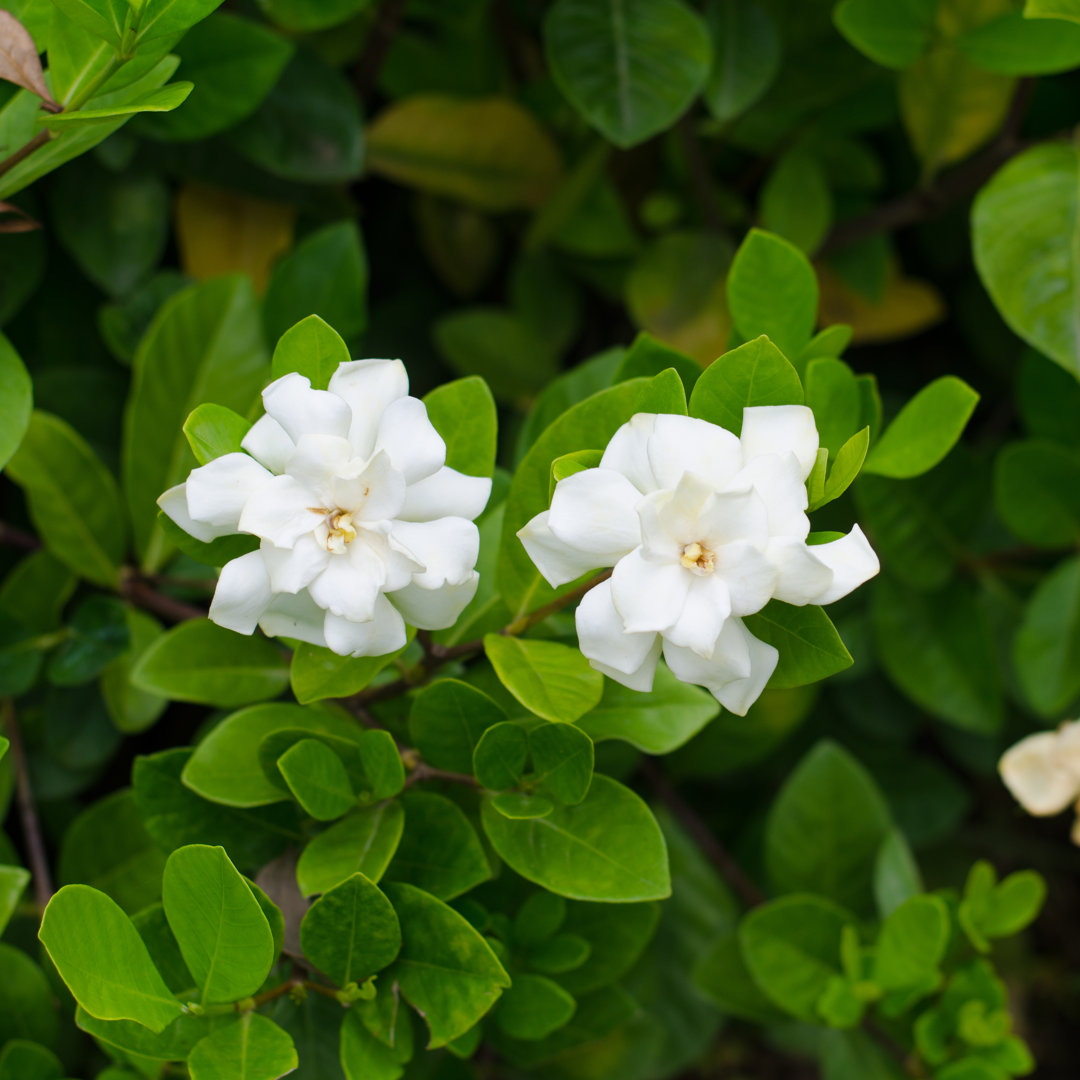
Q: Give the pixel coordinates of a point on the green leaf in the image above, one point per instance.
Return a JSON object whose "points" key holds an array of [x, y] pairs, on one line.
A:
{"points": [[351, 931], [16, 400], [656, 723], [994, 910], [792, 948], [364, 842], [772, 290], [1037, 492], [24, 1060], [447, 720], [201, 662], [27, 1007], [463, 413], [533, 1008], [13, 880], [500, 756], [73, 500], [894, 35], [825, 829], [96, 635], [1046, 649], [311, 14], [164, 99], [1052, 9], [796, 202], [845, 469], [937, 648], [104, 962], [925, 430], [746, 56], [213, 431], [365, 1057], [205, 344], [382, 764], [607, 848], [896, 874], [226, 767], [439, 850], [106, 19], [317, 778], [809, 646], [562, 757], [1025, 220], [854, 1055], [317, 673], [1048, 399], [163, 18], [630, 67], [313, 348], [249, 1048], [219, 925], [552, 680], [832, 392], [722, 975], [911, 944], [326, 274], [755, 373], [520, 807], [1014, 45], [446, 970]]}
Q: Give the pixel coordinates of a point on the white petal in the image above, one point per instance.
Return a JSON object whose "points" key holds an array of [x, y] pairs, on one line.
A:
{"points": [[434, 609], [708, 604], [852, 562], [407, 435], [383, 633], [732, 516], [350, 584], [603, 640], [218, 491], [447, 549], [281, 511], [242, 594], [446, 493], [649, 595], [778, 479], [682, 444], [174, 504], [657, 526], [300, 410], [293, 569], [1068, 747], [376, 493], [780, 429], [315, 462], [1035, 777], [594, 511], [628, 452], [294, 617], [749, 576], [557, 562], [640, 680], [268, 442], [368, 387], [803, 578]]}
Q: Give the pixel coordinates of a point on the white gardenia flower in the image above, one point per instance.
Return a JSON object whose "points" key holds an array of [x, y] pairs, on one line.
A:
{"points": [[362, 526], [701, 527], [1043, 770]]}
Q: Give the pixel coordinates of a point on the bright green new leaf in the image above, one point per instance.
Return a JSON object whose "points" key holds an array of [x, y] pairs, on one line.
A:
{"points": [[500, 756], [447, 720], [463, 413], [251, 1047], [894, 35], [846, 467], [214, 430], [164, 99], [445, 970], [317, 673], [104, 962], [220, 927], [163, 18], [562, 757], [107, 19], [552, 680], [1046, 649], [317, 778], [364, 842], [16, 400], [351, 931], [911, 944], [809, 646], [755, 373], [1052, 9], [533, 1008], [1037, 492], [630, 67], [313, 348], [746, 55], [607, 848]]}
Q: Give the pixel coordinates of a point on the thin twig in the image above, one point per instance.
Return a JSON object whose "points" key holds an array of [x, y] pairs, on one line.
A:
{"points": [[531, 618], [422, 771], [24, 795], [139, 593], [718, 855], [380, 38], [24, 151]]}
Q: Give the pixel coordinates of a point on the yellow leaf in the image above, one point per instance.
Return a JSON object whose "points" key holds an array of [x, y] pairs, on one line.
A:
{"points": [[221, 232], [907, 307], [489, 153]]}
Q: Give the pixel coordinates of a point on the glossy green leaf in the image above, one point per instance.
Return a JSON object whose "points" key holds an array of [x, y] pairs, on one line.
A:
{"points": [[163, 18], [199, 661], [746, 56], [317, 673], [630, 68], [106, 19], [533, 1008], [16, 400], [845, 469], [809, 646], [606, 848], [911, 944], [351, 931], [96, 634], [463, 413], [73, 500], [1046, 649], [251, 1047], [366, 1057], [313, 348], [364, 842], [104, 962], [214, 430], [894, 35], [164, 99], [1037, 492], [500, 756], [833, 394], [518, 806], [447, 720], [552, 680], [318, 779], [1014, 45], [445, 970], [562, 757]]}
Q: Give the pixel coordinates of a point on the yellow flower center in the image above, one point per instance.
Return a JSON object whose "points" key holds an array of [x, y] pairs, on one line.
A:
{"points": [[342, 531], [697, 558]]}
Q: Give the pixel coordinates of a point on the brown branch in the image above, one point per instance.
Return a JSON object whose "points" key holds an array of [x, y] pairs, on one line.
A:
{"points": [[18, 538], [134, 589], [379, 39], [24, 796], [39, 140], [531, 618], [422, 771], [718, 855]]}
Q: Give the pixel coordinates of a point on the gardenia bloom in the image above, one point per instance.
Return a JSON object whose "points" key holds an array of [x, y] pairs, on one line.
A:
{"points": [[1043, 771], [362, 526], [702, 528]]}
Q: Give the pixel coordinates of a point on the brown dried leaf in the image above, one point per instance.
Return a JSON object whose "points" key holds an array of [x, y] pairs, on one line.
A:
{"points": [[21, 222], [19, 61]]}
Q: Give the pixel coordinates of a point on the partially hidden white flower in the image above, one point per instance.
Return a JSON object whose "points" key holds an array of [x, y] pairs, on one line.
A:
{"points": [[701, 527], [1043, 770], [362, 525]]}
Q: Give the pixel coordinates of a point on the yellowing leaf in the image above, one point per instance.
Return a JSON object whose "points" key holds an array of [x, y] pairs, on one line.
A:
{"points": [[489, 153], [907, 307], [222, 232]]}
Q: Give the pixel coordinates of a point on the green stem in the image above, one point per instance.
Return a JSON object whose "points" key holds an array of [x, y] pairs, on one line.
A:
{"points": [[95, 84]]}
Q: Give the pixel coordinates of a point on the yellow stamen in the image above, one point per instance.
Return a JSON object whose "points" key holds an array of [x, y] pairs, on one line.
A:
{"points": [[697, 558]]}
